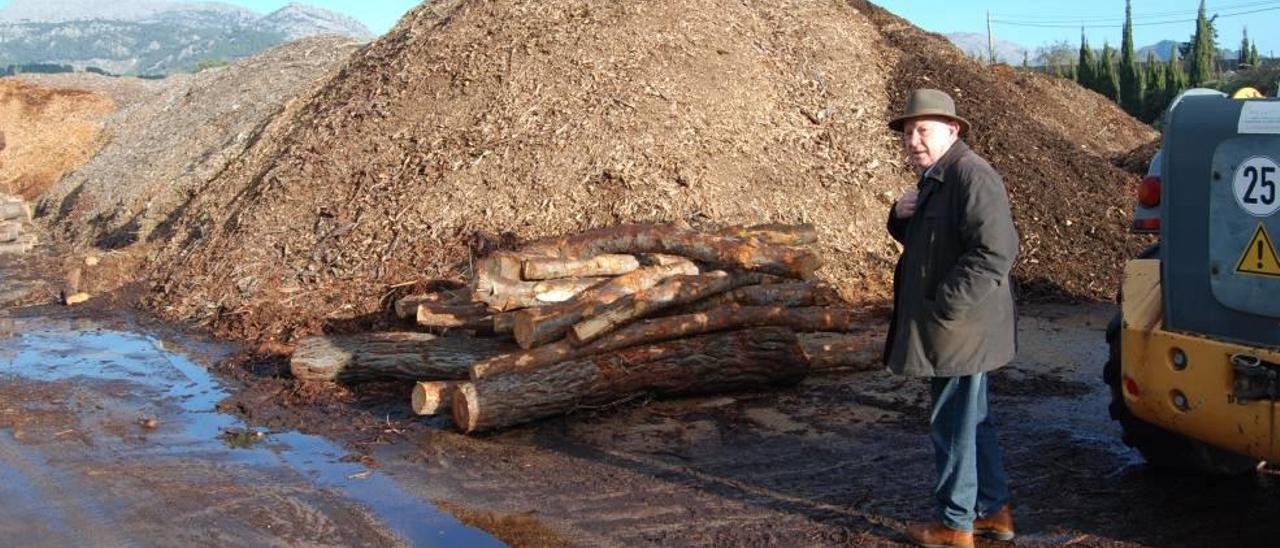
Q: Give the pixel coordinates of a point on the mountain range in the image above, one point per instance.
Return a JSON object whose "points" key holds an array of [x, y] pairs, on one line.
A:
{"points": [[149, 37]]}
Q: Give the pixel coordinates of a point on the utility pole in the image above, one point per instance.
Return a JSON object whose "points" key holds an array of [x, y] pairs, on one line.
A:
{"points": [[991, 42]]}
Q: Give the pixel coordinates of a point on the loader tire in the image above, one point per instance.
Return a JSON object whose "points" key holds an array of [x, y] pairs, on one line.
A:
{"points": [[1161, 448]]}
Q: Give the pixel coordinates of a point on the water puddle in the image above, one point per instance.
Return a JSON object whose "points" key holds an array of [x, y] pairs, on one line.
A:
{"points": [[86, 352]]}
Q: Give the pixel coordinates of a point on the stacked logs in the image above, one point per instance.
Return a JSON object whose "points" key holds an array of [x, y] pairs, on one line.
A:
{"points": [[15, 226], [604, 316]]}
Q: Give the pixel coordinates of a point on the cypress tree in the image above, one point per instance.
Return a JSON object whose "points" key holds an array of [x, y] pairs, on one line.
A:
{"points": [[1130, 77], [1175, 80], [1108, 79], [1085, 67], [1203, 50], [1254, 59], [1153, 97], [1244, 58]]}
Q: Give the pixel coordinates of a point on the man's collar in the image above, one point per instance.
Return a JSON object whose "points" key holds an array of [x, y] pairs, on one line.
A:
{"points": [[938, 170]]}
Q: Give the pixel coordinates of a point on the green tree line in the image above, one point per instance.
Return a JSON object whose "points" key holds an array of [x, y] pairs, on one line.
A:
{"points": [[1144, 88]]}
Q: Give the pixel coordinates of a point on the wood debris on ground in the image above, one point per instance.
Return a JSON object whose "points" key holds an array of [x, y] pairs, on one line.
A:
{"points": [[636, 310]]}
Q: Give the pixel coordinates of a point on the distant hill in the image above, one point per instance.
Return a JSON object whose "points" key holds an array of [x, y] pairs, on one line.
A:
{"points": [[974, 44], [153, 36], [1163, 50]]}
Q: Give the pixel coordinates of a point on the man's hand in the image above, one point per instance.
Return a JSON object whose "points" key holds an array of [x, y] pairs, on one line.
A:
{"points": [[906, 205]]}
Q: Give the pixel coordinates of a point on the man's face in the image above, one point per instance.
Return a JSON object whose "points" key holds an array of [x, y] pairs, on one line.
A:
{"points": [[926, 139]]}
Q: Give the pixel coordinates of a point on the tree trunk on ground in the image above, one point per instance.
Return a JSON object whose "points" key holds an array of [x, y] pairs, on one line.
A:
{"points": [[774, 234], [431, 397], [801, 320], [538, 326], [721, 251], [739, 360], [783, 294], [857, 351], [383, 356], [18, 211], [600, 265]]}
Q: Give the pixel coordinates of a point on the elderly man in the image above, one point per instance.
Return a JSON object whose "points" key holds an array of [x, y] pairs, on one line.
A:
{"points": [[954, 313]]}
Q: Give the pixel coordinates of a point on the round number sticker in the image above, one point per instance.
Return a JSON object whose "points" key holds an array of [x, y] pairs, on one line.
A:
{"points": [[1255, 185]]}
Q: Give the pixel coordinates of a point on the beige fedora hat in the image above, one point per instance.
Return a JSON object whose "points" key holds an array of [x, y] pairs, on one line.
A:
{"points": [[929, 102]]}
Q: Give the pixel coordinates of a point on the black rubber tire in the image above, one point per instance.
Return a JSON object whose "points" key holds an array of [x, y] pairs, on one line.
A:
{"points": [[1161, 448]]}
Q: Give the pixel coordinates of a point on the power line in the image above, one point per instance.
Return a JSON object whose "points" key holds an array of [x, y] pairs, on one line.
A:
{"points": [[1077, 24], [1076, 18]]}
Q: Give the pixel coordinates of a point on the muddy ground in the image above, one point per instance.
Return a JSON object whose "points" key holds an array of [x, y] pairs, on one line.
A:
{"points": [[117, 430]]}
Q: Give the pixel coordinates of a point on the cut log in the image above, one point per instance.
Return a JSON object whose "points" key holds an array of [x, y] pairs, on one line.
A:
{"points": [[407, 307], [387, 356], [465, 316], [774, 234], [784, 294], [672, 292], [737, 360], [504, 323], [856, 351], [19, 211], [600, 265], [431, 397], [721, 251], [801, 320], [542, 325], [9, 231]]}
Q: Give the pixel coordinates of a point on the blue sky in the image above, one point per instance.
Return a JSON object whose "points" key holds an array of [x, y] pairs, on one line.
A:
{"points": [[1033, 24]]}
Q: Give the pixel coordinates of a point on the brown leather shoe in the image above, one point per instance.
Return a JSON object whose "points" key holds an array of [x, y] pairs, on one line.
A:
{"points": [[998, 525], [937, 535]]}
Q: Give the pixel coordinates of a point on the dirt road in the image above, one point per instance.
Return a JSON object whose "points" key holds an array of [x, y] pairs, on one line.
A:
{"points": [[837, 460]]}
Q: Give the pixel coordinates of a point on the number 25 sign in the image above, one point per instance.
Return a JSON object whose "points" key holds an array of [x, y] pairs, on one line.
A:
{"points": [[1255, 186]]}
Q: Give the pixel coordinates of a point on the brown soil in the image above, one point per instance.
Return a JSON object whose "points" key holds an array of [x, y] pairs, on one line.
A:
{"points": [[48, 132], [1138, 160]]}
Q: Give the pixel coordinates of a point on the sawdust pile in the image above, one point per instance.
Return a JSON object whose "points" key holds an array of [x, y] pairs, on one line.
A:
{"points": [[48, 132], [171, 143], [124, 91], [474, 125]]}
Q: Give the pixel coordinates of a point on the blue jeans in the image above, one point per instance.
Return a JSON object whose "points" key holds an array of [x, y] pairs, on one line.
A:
{"points": [[971, 477]]}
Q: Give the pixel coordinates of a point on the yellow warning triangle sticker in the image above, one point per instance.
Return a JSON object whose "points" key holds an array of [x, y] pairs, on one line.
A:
{"points": [[1260, 257]]}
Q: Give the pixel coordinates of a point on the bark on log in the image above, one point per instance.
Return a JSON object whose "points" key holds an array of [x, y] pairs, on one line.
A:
{"points": [[542, 325], [738, 360], [9, 231], [19, 211], [384, 356], [784, 294], [721, 251], [431, 397], [857, 351], [773, 233], [499, 285], [801, 320], [600, 265]]}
